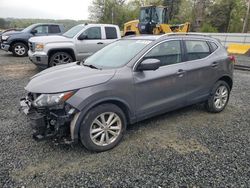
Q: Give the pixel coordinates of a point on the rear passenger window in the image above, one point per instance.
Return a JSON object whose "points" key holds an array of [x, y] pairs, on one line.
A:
{"points": [[197, 49], [168, 53], [213, 46], [54, 29], [111, 32]]}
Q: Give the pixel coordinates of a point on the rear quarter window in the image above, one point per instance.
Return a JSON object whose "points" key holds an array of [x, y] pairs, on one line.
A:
{"points": [[213, 46], [196, 49], [111, 32]]}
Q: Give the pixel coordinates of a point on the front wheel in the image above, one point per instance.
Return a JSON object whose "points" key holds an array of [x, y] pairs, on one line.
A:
{"points": [[103, 127], [219, 97], [60, 58], [19, 49]]}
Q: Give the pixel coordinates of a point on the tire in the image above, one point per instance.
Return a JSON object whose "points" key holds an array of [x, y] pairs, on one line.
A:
{"points": [[60, 58], [19, 49], [97, 141], [219, 97]]}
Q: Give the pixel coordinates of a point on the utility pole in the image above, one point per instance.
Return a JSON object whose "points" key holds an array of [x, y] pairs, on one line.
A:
{"points": [[245, 24]]}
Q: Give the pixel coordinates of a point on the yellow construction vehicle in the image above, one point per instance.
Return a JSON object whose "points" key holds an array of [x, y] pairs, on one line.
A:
{"points": [[153, 20]]}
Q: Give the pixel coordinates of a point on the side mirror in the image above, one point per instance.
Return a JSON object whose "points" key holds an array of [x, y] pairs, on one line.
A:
{"points": [[149, 64], [33, 32], [82, 37]]}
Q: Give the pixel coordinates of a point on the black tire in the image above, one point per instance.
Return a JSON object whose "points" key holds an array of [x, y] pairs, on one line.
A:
{"points": [[60, 58], [19, 49], [88, 123], [211, 102]]}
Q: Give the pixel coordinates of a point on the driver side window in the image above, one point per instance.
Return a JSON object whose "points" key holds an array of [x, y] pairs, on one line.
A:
{"points": [[43, 29], [93, 33], [167, 52]]}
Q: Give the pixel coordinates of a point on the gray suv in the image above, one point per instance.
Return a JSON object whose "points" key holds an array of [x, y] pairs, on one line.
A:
{"points": [[128, 81]]}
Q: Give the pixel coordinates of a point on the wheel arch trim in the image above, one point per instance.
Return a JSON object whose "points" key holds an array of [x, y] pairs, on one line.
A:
{"points": [[75, 126]]}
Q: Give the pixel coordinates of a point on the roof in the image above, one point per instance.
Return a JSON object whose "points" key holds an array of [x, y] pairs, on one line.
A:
{"points": [[169, 35], [98, 24], [143, 37]]}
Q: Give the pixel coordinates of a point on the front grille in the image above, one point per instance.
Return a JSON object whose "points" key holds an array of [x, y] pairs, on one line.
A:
{"points": [[32, 46]]}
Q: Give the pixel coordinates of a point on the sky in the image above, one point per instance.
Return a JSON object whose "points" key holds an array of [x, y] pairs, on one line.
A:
{"points": [[48, 9]]}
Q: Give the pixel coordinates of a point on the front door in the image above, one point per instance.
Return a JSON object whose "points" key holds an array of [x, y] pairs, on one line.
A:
{"points": [[163, 89], [91, 44]]}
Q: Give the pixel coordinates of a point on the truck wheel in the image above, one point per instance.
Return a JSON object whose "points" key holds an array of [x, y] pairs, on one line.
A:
{"points": [[103, 127], [219, 97], [19, 49], [60, 58]]}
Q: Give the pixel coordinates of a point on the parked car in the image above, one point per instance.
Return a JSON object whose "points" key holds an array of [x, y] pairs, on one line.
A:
{"points": [[17, 41], [76, 44], [127, 81]]}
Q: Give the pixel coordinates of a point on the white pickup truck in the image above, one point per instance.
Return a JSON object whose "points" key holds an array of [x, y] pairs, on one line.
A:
{"points": [[76, 44]]}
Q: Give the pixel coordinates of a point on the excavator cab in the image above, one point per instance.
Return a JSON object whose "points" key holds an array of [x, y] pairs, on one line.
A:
{"points": [[150, 17], [153, 20]]}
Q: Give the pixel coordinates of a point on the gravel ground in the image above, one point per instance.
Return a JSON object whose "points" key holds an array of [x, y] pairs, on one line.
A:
{"points": [[184, 148]]}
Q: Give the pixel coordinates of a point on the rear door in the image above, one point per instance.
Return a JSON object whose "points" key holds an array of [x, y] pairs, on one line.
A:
{"points": [[111, 34], [93, 42], [202, 70], [54, 29], [164, 88]]}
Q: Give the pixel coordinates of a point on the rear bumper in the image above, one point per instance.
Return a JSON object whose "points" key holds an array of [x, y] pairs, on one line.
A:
{"points": [[40, 59], [5, 47]]}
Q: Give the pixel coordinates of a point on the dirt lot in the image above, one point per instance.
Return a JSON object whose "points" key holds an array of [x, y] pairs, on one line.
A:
{"points": [[184, 148]]}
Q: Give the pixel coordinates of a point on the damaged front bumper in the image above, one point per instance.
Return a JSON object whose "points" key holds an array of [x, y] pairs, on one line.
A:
{"points": [[50, 122]]}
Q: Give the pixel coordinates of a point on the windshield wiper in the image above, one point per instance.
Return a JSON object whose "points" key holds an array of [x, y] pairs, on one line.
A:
{"points": [[90, 66]]}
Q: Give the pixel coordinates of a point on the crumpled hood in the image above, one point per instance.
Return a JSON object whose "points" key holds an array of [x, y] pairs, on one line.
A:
{"points": [[67, 77], [49, 39]]}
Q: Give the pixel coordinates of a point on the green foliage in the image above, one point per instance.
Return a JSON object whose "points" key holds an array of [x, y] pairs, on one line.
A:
{"points": [[207, 28], [22, 23], [227, 15]]}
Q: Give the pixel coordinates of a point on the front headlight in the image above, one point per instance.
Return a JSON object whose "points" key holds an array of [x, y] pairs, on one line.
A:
{"points": [[39, 47], [5, 37], [45, 100]]}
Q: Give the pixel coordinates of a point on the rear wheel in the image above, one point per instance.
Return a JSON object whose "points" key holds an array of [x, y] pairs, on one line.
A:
{"points": [[103, 127], [60, 58], [19, 49], [219, 97]]}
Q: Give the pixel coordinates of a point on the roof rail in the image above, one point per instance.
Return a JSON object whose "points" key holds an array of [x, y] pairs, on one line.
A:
{"points": [[186, 33]]}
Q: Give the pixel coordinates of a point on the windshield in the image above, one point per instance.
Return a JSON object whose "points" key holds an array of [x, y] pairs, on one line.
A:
{"points": [[145, 14], [28, 28], [116, 54], [73, 31]]}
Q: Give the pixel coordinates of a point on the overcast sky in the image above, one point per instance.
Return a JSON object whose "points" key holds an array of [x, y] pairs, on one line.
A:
{"points": [[49, 9]]}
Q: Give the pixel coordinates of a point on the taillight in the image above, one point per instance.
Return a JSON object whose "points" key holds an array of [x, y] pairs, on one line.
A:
{"points": [[232, 58]]}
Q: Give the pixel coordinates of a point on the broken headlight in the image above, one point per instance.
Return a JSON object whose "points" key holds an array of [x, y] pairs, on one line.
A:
{"points": [[52, 99]]}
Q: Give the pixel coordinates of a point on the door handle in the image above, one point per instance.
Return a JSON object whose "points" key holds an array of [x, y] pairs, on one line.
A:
{"points": [[100, 43], [214, 64], [180, 72]]}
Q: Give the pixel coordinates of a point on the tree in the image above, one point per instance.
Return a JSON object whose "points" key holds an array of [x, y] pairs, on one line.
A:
{"points": [[2, 23], [173, 8], [246, 20]]}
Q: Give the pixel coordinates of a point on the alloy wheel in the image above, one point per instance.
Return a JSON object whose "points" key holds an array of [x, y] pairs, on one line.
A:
{"points": [[221, 97], [20, 50], [61, 59], [105, 128]]}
